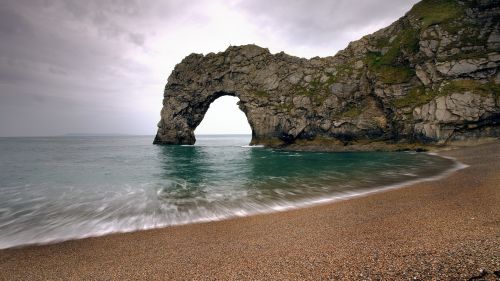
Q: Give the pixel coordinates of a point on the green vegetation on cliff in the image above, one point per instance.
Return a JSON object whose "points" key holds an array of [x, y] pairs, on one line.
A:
{"points": [[260, 93], [416, 96], [390, 65], [387, 69], [351, 111], [314, 88], [421, 95], [460, 86], [432, 12]]}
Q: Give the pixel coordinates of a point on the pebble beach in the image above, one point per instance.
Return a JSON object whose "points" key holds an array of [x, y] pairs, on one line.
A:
{"points": [[446, 229]]}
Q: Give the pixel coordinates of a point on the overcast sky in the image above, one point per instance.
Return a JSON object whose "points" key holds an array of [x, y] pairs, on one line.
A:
{"points": [[100, 66]]}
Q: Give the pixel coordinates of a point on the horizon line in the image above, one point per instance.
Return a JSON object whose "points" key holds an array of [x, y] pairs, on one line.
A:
{"points": [[112, 135]]}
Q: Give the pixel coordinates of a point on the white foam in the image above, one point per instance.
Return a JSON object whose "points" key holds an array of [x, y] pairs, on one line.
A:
{"points": [[100, 227], [253, 146]]}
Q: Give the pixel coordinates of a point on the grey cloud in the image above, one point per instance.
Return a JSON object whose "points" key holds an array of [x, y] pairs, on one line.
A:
{"points": [[12, 22], [322, 22], [137, 38], [64, 64], [123, 18], [56, 55]]}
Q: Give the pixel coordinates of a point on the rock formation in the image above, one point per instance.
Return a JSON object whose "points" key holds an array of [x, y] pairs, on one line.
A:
{"points": [[431, 77]]}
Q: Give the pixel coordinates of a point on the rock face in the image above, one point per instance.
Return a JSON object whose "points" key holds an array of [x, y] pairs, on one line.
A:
{"points": [[432, 77]]}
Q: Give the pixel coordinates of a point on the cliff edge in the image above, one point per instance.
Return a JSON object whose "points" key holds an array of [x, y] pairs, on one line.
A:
{"points": [[431, 77]]}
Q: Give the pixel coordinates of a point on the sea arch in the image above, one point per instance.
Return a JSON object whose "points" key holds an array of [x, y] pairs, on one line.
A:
{"points": [[378, 93], [199, 80], [186, 115]]}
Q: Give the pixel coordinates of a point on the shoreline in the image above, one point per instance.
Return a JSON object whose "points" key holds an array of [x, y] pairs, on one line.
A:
{"points": [[433, 228], [280, 206]]}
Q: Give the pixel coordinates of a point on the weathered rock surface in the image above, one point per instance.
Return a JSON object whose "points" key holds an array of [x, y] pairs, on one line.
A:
{"points": [[429, 78]]}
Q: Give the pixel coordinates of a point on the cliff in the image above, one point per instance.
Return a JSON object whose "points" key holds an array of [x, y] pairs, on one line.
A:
{"points": [[431, 77]]}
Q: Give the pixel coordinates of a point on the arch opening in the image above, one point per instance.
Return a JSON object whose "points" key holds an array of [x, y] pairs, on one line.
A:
{"points": [[224, 117]]}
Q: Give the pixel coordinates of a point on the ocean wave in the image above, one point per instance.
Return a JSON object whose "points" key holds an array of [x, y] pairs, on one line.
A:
{"points": [[52, 199]]}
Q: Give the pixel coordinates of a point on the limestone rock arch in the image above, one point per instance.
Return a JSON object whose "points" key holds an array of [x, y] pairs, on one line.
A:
{"points": [[413, 82], [249, 73]]}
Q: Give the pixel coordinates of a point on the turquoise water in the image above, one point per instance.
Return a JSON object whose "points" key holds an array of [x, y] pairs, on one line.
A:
{"points": [[60, 188]]}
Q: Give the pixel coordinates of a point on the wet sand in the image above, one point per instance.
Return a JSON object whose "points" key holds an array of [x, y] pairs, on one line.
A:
{"points": [[448, 229]]}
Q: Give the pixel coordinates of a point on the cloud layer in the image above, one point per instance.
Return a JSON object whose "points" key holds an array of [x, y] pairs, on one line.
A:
{"points": [[100, 66]]}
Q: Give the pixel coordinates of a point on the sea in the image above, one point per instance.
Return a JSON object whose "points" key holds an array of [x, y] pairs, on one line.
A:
{"points": [[61, 188]]}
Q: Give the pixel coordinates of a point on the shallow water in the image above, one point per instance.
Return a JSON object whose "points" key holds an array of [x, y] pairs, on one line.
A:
{"points": [[60, 188]]}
